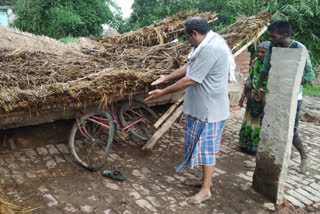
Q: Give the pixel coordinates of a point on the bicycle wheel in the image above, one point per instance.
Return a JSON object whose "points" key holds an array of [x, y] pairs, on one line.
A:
{"points": [[138, 118], [90, 142]]}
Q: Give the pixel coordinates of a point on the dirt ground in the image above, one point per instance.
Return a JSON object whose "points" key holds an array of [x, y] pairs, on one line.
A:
{"points": [[40, 173]]}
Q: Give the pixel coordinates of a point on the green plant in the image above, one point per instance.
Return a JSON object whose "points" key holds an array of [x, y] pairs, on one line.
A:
{"points": [[68, 39], [311, 90]]}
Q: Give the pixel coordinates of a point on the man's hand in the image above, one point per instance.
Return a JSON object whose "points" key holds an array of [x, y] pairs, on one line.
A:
{"points": [[162, 79], [154, 95]]}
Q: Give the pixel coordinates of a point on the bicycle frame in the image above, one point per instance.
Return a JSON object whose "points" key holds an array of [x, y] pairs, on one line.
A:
{"points": [[100, 120]]}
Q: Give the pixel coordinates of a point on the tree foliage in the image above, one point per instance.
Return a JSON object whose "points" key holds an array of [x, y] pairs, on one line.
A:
{"points": [[61, 18], [304, 15], [148, 12], [7, 2]]}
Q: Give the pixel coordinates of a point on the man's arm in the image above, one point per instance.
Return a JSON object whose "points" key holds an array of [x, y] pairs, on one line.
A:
{"points": [[308, 72], [177, 74], [200, 68], [178, 86]]}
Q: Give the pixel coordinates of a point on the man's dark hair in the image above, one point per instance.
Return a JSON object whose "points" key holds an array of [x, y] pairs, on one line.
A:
{"points": [[198, 24], [280, 27]]}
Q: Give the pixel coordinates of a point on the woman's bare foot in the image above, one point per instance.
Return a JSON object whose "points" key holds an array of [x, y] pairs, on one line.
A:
{"points": [[201, 196]]}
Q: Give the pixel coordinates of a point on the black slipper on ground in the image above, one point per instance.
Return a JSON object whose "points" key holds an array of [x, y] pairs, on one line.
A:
{"points": [[115, 175]]}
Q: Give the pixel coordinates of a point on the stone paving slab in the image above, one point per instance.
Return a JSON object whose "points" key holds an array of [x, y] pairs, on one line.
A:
{"points": [[47, 177]]}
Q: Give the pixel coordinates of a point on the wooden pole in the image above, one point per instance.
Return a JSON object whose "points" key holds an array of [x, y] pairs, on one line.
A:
{"points": [[168, 112], [160, 132], [250, 42]]}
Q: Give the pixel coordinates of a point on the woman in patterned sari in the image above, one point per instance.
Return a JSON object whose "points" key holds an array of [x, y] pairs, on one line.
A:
{"points": [[250, 128]]}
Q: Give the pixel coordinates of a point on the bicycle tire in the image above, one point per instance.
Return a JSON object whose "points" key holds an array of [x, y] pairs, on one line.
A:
{"points": [[144, 129], [99, 136]]}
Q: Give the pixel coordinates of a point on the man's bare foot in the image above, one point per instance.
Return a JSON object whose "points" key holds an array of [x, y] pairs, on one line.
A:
{"points": [[193, 182], [305, 165], [201, 196]]}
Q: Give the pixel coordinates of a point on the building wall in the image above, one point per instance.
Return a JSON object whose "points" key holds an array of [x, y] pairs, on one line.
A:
{"points": [[242, 73], [243, 63], [4, 17]]}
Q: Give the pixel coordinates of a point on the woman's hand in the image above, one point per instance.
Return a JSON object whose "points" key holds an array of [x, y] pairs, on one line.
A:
{"points": [[257, 95], [241, 101]]}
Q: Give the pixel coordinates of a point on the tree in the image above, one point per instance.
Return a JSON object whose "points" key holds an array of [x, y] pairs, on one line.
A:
{"points": [[7, 2], [61, 18], [304, 15], [149, 12]]}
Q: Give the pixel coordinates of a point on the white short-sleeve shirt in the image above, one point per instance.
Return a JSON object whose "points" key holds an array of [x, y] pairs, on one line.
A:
{"points": [[208, 100]]}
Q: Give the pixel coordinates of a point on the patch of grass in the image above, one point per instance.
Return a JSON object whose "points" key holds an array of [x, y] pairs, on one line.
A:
{"points": [[68, 39], [311, 90]]}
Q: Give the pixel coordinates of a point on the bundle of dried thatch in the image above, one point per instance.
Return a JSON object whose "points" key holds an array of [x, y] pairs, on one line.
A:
{"points": [[37, 81], [160, 33], [45, 80], [245, 29], [20, 41], [8, 208]]}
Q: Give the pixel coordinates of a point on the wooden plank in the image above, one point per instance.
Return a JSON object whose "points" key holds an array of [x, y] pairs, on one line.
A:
{"points": [[160, 132], [167, 114]]}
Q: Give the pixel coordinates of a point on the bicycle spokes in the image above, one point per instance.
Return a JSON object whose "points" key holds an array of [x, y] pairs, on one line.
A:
{"points": [[139, 120], [91, 140]]}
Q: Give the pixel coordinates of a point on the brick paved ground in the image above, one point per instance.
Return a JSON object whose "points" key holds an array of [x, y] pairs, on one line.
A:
{"points": [[45, 176]]}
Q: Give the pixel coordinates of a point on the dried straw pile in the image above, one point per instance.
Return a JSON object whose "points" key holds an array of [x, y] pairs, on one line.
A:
{"points": [[9, 208], [19, 41], [160, 33], [45, 79], [245, 29]]}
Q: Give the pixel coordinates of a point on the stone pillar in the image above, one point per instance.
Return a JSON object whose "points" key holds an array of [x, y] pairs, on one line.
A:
{"points": [[277, 127]]}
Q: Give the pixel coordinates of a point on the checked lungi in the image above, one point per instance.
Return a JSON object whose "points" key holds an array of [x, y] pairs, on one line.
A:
{"points": [[202, 142]]}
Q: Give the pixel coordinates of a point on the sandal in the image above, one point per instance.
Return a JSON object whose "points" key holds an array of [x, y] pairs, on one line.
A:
{"points": [[115, 175]]}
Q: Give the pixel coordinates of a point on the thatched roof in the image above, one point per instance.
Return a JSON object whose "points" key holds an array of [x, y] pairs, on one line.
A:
{"points": [[50, 75]]}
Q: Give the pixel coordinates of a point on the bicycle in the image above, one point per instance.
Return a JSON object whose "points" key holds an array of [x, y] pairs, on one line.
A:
{"points": [[92, 134]]}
